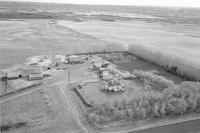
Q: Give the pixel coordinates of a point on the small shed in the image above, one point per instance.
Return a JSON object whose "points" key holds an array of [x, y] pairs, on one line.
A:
{"points": [[75, 59], [13, 75], [35, 77]]}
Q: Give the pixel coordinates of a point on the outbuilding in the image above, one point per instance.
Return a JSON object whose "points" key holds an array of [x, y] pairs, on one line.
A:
{"points": [[13, 75], [35, 70], [75, 59], [106, 75], [35, 77]]}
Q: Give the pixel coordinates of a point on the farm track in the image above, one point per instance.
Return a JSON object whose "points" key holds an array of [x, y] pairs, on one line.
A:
{"points": [[73, 110]]}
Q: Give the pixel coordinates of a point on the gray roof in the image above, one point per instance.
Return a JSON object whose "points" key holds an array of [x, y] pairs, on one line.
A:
{"points": [[35, 76], [35, 70]]}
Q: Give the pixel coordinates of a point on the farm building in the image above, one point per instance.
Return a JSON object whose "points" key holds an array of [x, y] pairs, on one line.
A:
{"points": [[35, 70], [106, 75], [13, 75], [46, 74], [75, 59], [3, 76], [35, 77], [97, 65], [35, 73]]}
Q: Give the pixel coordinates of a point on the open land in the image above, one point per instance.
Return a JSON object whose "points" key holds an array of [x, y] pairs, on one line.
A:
{"points": [[158, 51]]}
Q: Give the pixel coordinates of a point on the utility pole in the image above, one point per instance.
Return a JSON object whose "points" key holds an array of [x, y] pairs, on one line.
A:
{"points": [[68, 77], [5, 80]]}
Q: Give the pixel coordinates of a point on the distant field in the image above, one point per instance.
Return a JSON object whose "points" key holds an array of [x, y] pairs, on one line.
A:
{"points": [[177, 39], [167, 45], [22, 39]]}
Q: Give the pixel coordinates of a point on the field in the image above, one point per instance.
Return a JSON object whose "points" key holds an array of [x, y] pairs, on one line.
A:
{"points": [[38, 37], [159, 47], [46, 113], [164, 44]]}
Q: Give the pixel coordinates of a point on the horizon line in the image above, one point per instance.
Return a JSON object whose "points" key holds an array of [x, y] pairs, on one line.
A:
{"points": [[61, 3]]}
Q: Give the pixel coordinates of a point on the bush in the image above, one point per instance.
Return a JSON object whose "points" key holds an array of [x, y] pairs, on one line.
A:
{"points": [[156, 81]]}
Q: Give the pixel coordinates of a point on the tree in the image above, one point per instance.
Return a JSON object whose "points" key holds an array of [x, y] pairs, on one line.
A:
{"points": [[176, 106]]}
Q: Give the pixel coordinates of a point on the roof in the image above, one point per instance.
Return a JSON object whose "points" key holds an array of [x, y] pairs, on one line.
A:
{"points": [[75, 58], [35, 76], [13, 75], [98, 64], [106, 73], [35, 70]]}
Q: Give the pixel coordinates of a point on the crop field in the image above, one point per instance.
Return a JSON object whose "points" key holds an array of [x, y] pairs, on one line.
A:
{"points": [[153, 51], [164, 44]]}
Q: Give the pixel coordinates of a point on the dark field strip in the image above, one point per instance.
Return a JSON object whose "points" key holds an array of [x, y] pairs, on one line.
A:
{"points": [[190, 126]]}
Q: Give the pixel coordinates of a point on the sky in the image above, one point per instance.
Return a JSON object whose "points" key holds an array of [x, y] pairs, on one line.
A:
{"points": [[170, 3]]}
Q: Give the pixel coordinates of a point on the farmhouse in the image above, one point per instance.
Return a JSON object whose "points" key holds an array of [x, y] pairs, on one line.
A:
{"points": [[115, 86]]}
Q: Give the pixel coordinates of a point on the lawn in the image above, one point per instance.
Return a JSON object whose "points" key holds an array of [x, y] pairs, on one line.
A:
{"points": [[95, 92]]}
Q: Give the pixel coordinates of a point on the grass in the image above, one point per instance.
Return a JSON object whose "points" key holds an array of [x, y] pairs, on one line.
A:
{"points": [[42, 111], [175, 101]]}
